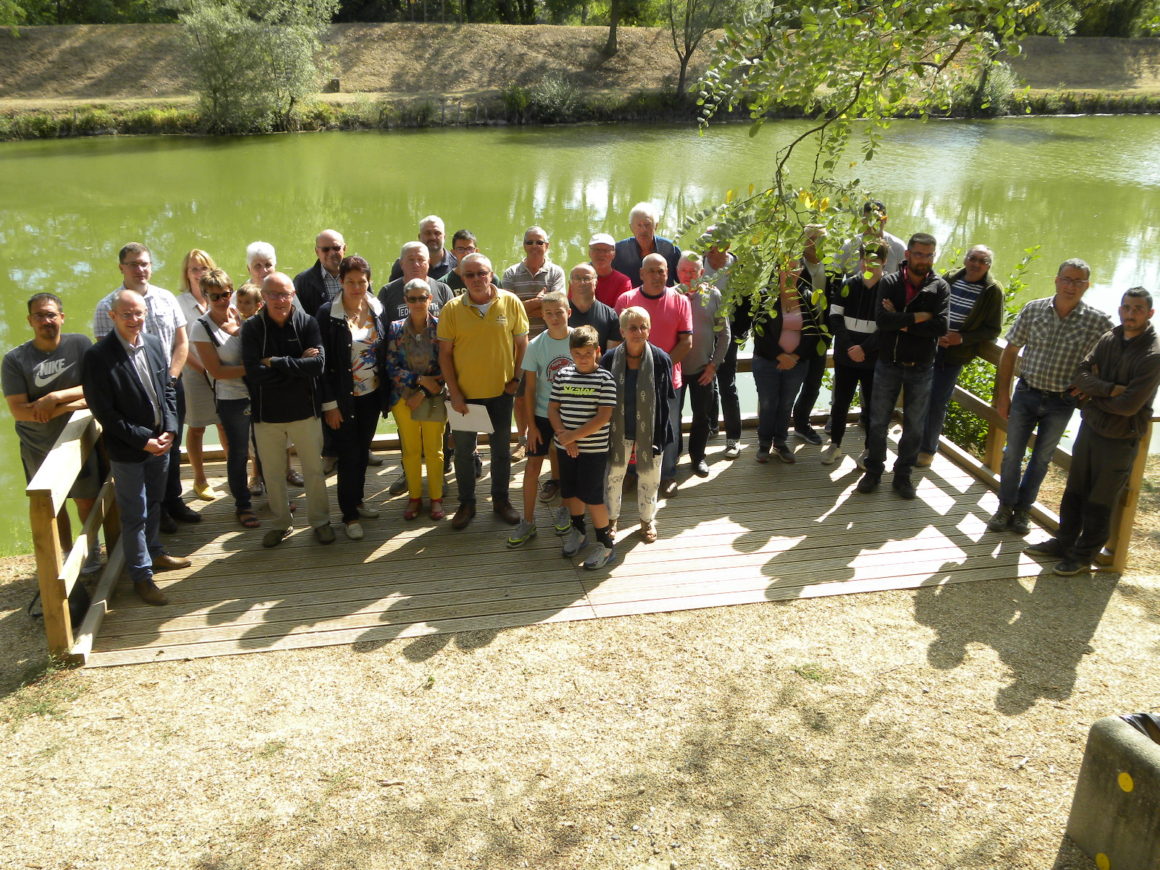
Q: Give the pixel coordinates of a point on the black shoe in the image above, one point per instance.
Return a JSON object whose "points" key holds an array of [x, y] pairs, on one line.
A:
{"points": [[168, 523], [869, 482], [701, 468], [784, 454], [181, 512], [902, 485], [808, 435], [1051, 548], [399, 485], [1021, 521], [1070, 567]]}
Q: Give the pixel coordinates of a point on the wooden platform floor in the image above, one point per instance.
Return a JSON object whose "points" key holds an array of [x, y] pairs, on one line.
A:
{"points": [[749, 533]]}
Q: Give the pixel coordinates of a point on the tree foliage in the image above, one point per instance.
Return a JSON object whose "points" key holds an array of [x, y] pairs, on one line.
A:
{"points": [[849, 65], [254, 64], [689, 21]]}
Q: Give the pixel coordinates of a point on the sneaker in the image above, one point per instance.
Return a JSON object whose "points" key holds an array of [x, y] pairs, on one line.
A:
{"points": [[563, 521], [808, 435], [274, 537], [573, 542], [256, 486], [549, 489], [520, 452], [1021, 522], [1001, 519], [367, 513], [373, 460], [784, 453], [1051, 548], [701, 468], [732, 449], [924, 460], [1070, 567], [861, 460], [294, 477], [869, 482], [398, 485], [324, 534], [523, 533], [668, 488], [831, 453], [902, 485], [93, 563], [762, 453], [354, 530], [598, 556]]}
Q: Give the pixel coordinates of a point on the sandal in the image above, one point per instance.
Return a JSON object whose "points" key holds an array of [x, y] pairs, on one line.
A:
{"points": [[648, 532], [248, 519], [437, 509], [414, 507]]}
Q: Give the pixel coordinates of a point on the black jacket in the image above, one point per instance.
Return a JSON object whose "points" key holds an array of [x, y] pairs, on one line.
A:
{"points": [[1133, 364], [766, 324], [918, 344], [853, 307], [287, 389], [337, 383], [311, 289], [118, 400]]}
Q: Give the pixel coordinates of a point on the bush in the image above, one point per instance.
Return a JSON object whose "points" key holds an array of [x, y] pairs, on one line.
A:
{"points": [[516, 99], [554, 100]]}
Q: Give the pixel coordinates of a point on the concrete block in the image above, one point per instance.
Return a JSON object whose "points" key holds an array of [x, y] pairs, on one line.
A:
{"points": [[1115, 815]]}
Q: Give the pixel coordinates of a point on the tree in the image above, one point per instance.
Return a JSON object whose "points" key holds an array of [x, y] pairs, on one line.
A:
{"points": [[836, 62], [689, 21], [254, 64]]}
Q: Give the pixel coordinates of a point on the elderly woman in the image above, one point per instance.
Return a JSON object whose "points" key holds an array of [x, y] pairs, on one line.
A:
{"points": [[199, 399], [420, 415], [785, 339], [354, 389], [640, 420], [217, 337]]}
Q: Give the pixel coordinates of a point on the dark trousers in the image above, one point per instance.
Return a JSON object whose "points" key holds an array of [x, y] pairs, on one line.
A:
{"points": [[811, 386], [727, 390], [499, 410], [889, 380], [235, 417], [1099, 470], [942, 386], [701, 402], [847, 379], [173, 480], [352, 440]]}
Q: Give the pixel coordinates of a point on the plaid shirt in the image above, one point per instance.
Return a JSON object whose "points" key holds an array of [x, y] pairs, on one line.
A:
{"points": [[163, 317], [1054, 346]]}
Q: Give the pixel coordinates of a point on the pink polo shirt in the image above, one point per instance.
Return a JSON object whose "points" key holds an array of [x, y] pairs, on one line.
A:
{"points": [[671, 318]]}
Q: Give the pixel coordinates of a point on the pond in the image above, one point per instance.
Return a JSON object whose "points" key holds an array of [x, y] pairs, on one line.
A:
{"points": [[1085, 186]]}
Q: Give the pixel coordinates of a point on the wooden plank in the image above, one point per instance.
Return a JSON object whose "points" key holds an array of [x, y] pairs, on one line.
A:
{"points": [[99, 606]]}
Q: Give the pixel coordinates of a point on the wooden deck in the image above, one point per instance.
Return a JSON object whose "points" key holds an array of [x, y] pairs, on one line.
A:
{"points": [[747, 534]]}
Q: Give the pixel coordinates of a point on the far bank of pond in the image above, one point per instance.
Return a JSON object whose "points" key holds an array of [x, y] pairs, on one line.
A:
{"points": [[1074, 186]]}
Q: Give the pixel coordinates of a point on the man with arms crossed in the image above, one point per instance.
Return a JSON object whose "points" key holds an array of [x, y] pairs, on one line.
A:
{"points": [[1054, 334], [1117, 383]]}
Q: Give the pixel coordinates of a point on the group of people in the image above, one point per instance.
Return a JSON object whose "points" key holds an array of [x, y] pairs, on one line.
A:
{"points": [[593, 365]]}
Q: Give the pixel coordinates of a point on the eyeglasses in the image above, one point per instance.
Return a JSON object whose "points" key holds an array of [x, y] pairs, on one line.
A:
{"points": [[416, 299], [585, 279], [278, 297], [537, 242], [138, 264], [326, 249], [46, 315], [976, 258], [483, 274], [225, 294], [1071, 282]]}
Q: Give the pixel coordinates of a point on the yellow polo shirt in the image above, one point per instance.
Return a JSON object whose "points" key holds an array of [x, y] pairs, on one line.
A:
{"points": [[483, 344]]}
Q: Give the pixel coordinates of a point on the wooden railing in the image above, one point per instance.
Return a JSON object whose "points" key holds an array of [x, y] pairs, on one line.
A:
{"points": [[59, 562]]}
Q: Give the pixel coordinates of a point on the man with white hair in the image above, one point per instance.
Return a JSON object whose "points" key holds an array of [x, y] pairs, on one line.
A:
{"points": [[440, 260], [316, 286], [415, 260], [630, 252]]}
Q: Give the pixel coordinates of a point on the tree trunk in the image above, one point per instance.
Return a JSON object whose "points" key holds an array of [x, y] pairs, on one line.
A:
{"points": [[613, 17]]}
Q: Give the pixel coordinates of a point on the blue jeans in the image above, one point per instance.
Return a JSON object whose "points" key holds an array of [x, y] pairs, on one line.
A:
{"points": [[942, 385], [235, 417], [811, 387], [889, 379], [673, 449], [140, 487], [1031, 409], [776, 391], [499, 409]]}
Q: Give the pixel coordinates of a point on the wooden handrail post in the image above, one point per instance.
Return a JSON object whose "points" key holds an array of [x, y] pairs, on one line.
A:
{"points": [[49, 568], [1125, 514]]}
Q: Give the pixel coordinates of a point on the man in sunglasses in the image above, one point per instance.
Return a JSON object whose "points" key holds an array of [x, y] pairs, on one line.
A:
{"points": [[319, 284]]}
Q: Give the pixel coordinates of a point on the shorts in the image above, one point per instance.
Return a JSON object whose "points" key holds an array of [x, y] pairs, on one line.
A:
{"points": [[582, 477], [546, 436], [89, 478], [200, 408]]}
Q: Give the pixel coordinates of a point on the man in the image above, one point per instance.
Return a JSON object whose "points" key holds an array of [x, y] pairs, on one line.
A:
{"points": [[441, 261], [530, 279], [42, 383], [710, 343], [129, 386], [415, 264], [718, 261], [610, 284], [911, 309], [483, 335], [283, 357], [588, 310], [976, 317], [462, 244], [874, 219], [1117, 383], [814, 277], [1054, 335], [630, 252], [164, 319], [672, 332], [319, 284]]}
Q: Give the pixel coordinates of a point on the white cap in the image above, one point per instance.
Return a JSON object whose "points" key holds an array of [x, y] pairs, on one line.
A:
{"points": [[602, 239]]}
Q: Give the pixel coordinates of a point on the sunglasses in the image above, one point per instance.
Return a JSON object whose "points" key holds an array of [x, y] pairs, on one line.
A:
{"points": [[326, 249], [416, 298]]}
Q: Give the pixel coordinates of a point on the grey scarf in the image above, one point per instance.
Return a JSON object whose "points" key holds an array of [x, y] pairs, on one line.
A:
{"points": [[646, 406]]}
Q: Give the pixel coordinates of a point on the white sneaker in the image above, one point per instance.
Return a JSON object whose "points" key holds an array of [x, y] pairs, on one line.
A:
{"points": [[367, 513], [573, 542], [732, 449], [831, 453], [354, 531], [598, 556]]}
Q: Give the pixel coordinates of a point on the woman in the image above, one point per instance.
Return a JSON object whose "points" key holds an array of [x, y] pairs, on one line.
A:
{"points": [[413, 364], [640, 420], [199, 399], [217, 337], [354, 389], [785, 339], [852, 314]]}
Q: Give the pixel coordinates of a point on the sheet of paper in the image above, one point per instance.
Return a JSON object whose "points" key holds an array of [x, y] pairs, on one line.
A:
{"points": [[475, 420]]}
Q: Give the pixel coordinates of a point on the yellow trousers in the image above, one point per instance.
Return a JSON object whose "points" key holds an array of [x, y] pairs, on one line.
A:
{"points": [[420, 440]]}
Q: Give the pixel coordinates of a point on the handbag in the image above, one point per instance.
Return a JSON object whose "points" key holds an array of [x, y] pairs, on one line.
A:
{"points": [[433, 409]]}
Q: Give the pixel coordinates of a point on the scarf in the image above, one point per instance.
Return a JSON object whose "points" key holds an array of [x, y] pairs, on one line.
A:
{"points": [[646, 398]]}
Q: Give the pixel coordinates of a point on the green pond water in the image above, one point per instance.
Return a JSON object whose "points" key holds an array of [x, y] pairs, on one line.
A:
{"points": [[1085, 186]]}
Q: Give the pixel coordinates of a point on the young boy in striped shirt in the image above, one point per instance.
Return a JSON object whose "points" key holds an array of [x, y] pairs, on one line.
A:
{"points": [[579, 410]]}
